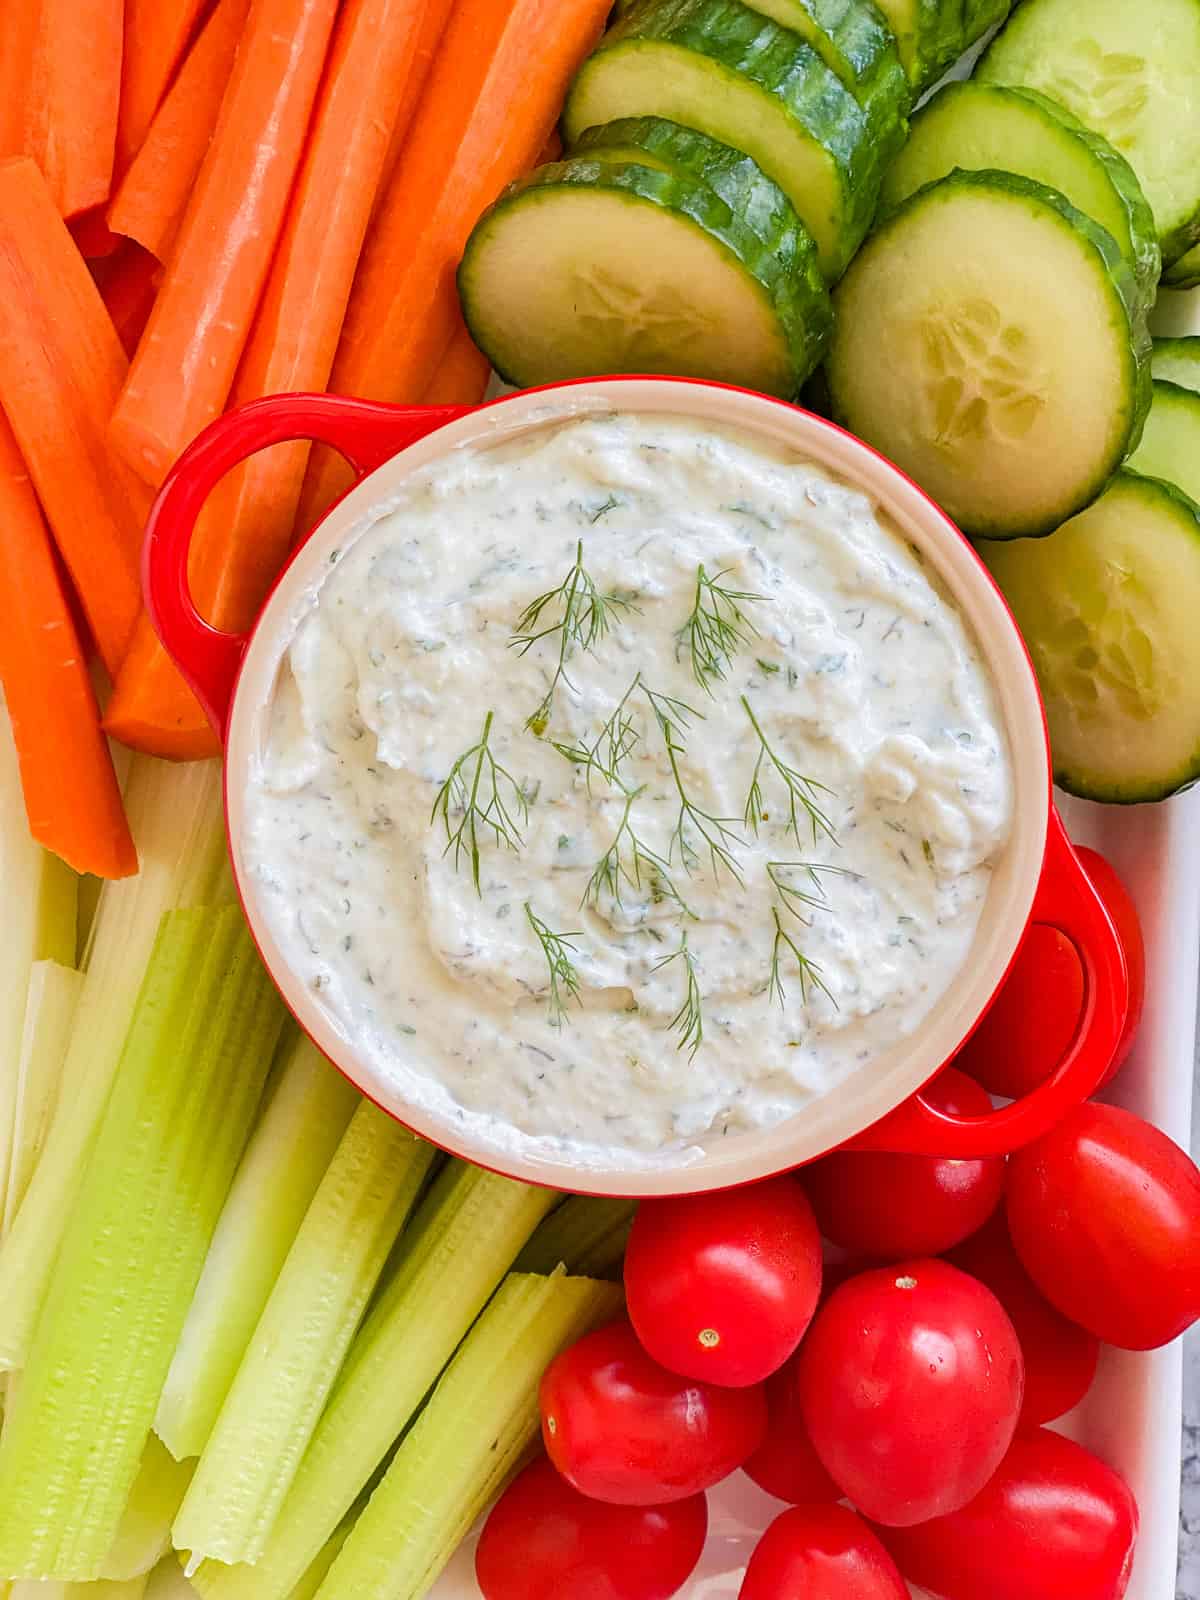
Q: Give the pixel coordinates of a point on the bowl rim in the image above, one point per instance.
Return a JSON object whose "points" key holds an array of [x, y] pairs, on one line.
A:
{"points": [[866, 1094]]}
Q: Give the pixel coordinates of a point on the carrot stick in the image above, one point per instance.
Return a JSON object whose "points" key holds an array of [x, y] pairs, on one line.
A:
{"points": [[243, 535], [71, 117], [462, 373], [151, 198], [92, 234], [156, 36], [433, 26], [152, 709], [184, 367], [61, 369], [19, 28], [72, 798], [492, 98], [128, 290]]}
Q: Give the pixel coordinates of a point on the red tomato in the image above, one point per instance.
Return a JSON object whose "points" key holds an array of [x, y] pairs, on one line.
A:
{"points": [[785, 1464], [1033, 1019], [623, 1429], [1104, 1212], [722, 1286], [1054, 1523], [1120, 906], [545, 1541], [821, 1553], [894, 1206], [1060, 1356], [910, 1384]]}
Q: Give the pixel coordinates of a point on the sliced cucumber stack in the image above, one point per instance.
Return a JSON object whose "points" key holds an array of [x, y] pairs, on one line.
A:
{"points": [[1130, 70], [591, 267], [1184, 273], [985, 125], [1170, 444], [730, 72], [1178, 361], [991, 340], [853, 38], [1108, 607], [932, 34]]}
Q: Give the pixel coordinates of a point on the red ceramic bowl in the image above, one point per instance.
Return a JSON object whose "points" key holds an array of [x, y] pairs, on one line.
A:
{"points": [[1038, 879]]}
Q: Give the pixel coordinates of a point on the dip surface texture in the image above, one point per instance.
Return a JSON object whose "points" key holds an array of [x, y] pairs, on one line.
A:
{"points": [[813, 789]]}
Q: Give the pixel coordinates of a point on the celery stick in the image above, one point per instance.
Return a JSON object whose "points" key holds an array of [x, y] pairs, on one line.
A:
{"points": [[144, 1535], [39, 924], [586, 1235], [293, 1144], [175, 814], [301, 1339], [50, 1002], [101, 1589], [468, 1229], [472, 1435], [312, 1580], [187, 1086]]}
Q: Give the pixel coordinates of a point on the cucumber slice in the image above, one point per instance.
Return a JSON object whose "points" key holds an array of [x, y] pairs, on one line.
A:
{"points": [[1170, 444], [932, 34], [1129, 70], [1108, 608], [730, 72], [668, 147], [852, 38], [1178, 361], [589, 267], [989, 338], [1184, 273], [985, 125]]}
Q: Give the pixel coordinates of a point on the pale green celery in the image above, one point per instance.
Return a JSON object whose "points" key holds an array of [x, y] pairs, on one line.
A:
{"points": [[51, 999], [469, 1227], [302, 1337], [100, 1589], [175, 813], [312, 1580], [585, 1234], [39, 924], [309, 1107], [474, 1432], [144, 1535], [187, 1085]]}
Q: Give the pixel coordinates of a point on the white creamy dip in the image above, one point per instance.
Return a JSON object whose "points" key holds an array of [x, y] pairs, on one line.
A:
{"points": [[859, 672]]}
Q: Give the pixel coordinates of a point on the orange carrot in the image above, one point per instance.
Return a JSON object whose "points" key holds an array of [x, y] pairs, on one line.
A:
{"points": [[462, 373], [128, 290], [72, 798], [433, 26], [243, 535], [19, 28], [151, 197], [495, 91], [71, 115], [92, 234], [61, 369], [184, 367], [156, 36], [152, 708]]}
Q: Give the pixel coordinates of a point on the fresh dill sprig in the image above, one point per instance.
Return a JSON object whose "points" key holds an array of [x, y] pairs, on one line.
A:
{"points": [[715, 832], [564, 979], [630, 861], [689, 1019], [796, 899], [613, 744], [804, 794], [810, 972], [716, 627], [587, 614], [475, 787]]}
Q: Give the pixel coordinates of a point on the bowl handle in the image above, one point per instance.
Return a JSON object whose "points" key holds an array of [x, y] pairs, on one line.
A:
{"points": [[1065, 900], [365, 432]]}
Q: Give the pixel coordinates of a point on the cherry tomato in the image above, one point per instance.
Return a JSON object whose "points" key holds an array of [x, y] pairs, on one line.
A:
{"points": [[1060, 1356], [910, 1385], [1104, 1212], [1054, 1523], [1033, 1019], [821, 1553], [623, 1429], [785, 1464], [545, 1541], [722, 1286], [892, 1206]]}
